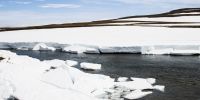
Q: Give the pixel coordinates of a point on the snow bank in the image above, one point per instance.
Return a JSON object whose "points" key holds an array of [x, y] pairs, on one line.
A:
{"points": [[54, 63], [170, 51], [108, 36], [152, 50], [80, 49], [43, 46], [58, 77], [27, 78], [108, 39], [133, 49], [90, 66], [185, 52], [6, 89]]}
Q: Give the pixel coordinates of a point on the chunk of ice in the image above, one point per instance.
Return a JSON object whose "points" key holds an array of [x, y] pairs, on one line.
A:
{"points": [[43, 46], [151, 80], [159, 88], [71, 63], [90, 66], [122, 79], [137, 94]]}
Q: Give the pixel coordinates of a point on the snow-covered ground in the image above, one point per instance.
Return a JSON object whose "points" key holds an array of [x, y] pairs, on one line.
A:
{"points": [[121, 36], [133, 34], [26, 78], [106, 39], [168, 19]]}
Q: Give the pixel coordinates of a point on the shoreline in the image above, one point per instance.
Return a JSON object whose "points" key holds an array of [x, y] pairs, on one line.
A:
{"points": [[174, 50]]}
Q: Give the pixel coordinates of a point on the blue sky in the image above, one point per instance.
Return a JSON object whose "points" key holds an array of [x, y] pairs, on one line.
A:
{"points": [[34, 12]]}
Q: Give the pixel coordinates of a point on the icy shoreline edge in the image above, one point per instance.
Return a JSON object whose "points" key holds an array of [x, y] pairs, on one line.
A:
{"points": [[88, 49]]}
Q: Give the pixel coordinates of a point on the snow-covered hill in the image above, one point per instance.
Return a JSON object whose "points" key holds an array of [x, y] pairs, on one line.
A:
{"points": [[175, 32]]}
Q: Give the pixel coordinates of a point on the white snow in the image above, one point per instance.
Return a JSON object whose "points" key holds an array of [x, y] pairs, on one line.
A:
{"points": [[43, 46], [185, 52], [27, 78], [167, 19], [187, 13], [122, 79], [80, 49], [5, 89], [152, 50], [137, 94], [71, 62], [151, 80], [109, 36], [137, 83], [172, 51], [106, 38], [160, 88], [58, 77], [94, 39], [90, 66], [54, 63]]}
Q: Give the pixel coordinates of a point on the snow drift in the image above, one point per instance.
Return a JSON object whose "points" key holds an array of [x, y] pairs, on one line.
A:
{"points": [[27, 78]]}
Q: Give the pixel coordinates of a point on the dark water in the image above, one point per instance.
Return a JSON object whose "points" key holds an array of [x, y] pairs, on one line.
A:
{"points": [[180, 74]]}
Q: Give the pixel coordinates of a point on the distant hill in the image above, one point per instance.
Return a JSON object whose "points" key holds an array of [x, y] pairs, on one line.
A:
{"points": [[181, 18]]}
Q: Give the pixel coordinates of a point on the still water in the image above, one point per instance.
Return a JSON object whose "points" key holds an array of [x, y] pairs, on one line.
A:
{"points": [[180, 74]]}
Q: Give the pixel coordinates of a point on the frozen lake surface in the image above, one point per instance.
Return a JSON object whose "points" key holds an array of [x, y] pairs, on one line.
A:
{"points": [[180, 74]]}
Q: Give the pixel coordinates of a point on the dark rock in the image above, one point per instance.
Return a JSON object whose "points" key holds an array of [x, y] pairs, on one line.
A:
{"points": [[12, 98], [1, 58]]}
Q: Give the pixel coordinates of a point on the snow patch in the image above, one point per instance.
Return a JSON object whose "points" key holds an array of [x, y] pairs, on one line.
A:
{"points": [[136, 84], [43, 46], [137, 94], [54, 63], [71, 62], [160, 88], [80, 49], [58, 77], [169, 51], [90, 66], [151, 80], [122, 79], [6, 89]]}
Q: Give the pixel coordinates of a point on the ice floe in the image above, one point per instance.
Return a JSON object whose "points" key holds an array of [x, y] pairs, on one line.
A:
{"points": [[151, 80], [54, 63], [137, 83], [43, 46], [71, 62], [27, 78], [160, 88], [122, 79], [80, 49], [137, 94], [171, 51], [90, 66]]}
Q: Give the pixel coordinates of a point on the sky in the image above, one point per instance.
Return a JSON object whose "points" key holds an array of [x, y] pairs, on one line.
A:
{"points": [[37, 12]]}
